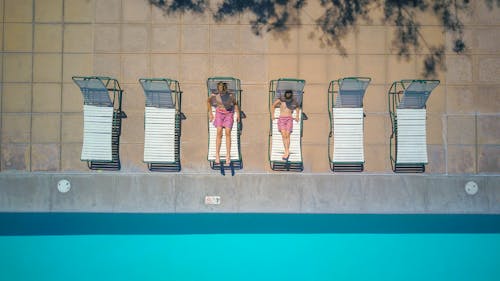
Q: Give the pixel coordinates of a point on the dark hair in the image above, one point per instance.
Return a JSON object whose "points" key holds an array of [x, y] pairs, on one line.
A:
{"points": [[223, 84], [288, 94]]}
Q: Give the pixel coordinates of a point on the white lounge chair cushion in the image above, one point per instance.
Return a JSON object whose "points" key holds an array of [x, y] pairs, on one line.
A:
{"points": [[277, 148], [159, 134], [411, 134], [348, 135], [212, 134], [97, 132]]}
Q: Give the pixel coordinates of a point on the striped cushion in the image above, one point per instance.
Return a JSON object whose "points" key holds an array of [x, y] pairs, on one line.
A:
{"points": [[97, 132], [412, 140], [159, 134], [277, 148], [212, 134], [348, 135]]}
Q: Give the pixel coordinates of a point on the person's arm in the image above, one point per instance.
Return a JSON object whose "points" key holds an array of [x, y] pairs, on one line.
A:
{"points": [[237, 112], [273, 106], [209, 108], [297, 114], [236, 107]]}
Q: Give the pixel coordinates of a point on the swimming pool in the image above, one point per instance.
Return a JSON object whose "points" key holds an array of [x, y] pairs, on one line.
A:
{"points": [[83, 246]]}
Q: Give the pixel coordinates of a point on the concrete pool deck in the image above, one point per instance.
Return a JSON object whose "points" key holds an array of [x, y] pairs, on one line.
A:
{"points": [[249, 193]]}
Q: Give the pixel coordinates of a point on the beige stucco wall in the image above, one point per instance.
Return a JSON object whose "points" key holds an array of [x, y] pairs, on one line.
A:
{"points": [[45, 42]]}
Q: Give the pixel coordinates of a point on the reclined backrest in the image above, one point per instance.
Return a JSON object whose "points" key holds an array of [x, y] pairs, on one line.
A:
{"points": [[296, 86], [232, 86], [94, 92], [351, 92], [416, 94], [158, 93]]}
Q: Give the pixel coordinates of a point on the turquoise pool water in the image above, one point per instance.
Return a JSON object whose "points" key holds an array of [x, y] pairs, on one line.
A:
{"points": [[248, 247]]}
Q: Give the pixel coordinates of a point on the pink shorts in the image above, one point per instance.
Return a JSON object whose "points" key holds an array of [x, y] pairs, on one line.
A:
{"points": [[285, 123], [223, 118]]}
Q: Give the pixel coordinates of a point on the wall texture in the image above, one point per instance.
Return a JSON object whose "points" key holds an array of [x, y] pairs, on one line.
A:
{"points": [[45, 42]]}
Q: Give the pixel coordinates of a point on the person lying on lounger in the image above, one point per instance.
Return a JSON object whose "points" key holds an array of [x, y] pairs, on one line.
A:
{"points": [[226, 106], [287, 105]]}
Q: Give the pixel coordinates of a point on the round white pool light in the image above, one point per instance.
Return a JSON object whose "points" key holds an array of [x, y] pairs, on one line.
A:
{"points": [[471, 188], [63, 186]]}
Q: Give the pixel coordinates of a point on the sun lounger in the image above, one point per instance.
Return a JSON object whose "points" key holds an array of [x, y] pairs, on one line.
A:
{"points": [[102, 121], [162, 124], [407, 110], [294, 162], [345, 106], [234, 87]]}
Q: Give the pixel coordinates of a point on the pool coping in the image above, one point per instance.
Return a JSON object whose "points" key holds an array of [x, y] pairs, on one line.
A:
{"points": [[342, 193]]}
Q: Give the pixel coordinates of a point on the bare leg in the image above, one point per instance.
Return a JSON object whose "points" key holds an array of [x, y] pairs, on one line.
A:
{"points": [[228, 146], [283, 137], [286, 142], [218, 141]]}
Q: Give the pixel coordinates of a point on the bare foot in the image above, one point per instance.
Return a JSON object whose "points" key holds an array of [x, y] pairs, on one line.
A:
{"points": [[228, 160], [217, 160]]}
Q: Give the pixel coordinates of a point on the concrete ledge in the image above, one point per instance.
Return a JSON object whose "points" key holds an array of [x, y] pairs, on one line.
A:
{"points": [[249, 193]]}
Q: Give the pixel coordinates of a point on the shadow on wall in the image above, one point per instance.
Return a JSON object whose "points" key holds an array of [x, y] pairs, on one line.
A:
{"points": [[340, 17]]}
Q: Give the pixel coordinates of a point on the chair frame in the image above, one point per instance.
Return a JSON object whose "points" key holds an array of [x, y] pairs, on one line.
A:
{"points": [[295, 166], [175, 91], [235, 164], [394, 96], [113, 87], [333, 92]]}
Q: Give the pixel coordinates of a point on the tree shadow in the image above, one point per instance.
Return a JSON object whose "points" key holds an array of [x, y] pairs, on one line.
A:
{"points": [[267, 16], [341, 17], [182, 6]]}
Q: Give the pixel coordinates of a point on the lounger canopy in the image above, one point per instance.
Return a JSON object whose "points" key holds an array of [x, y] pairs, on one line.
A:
{"points": [[234, 87], [162, 123], [345, 108], [277, 89], [407, 110], [102, 111]]}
